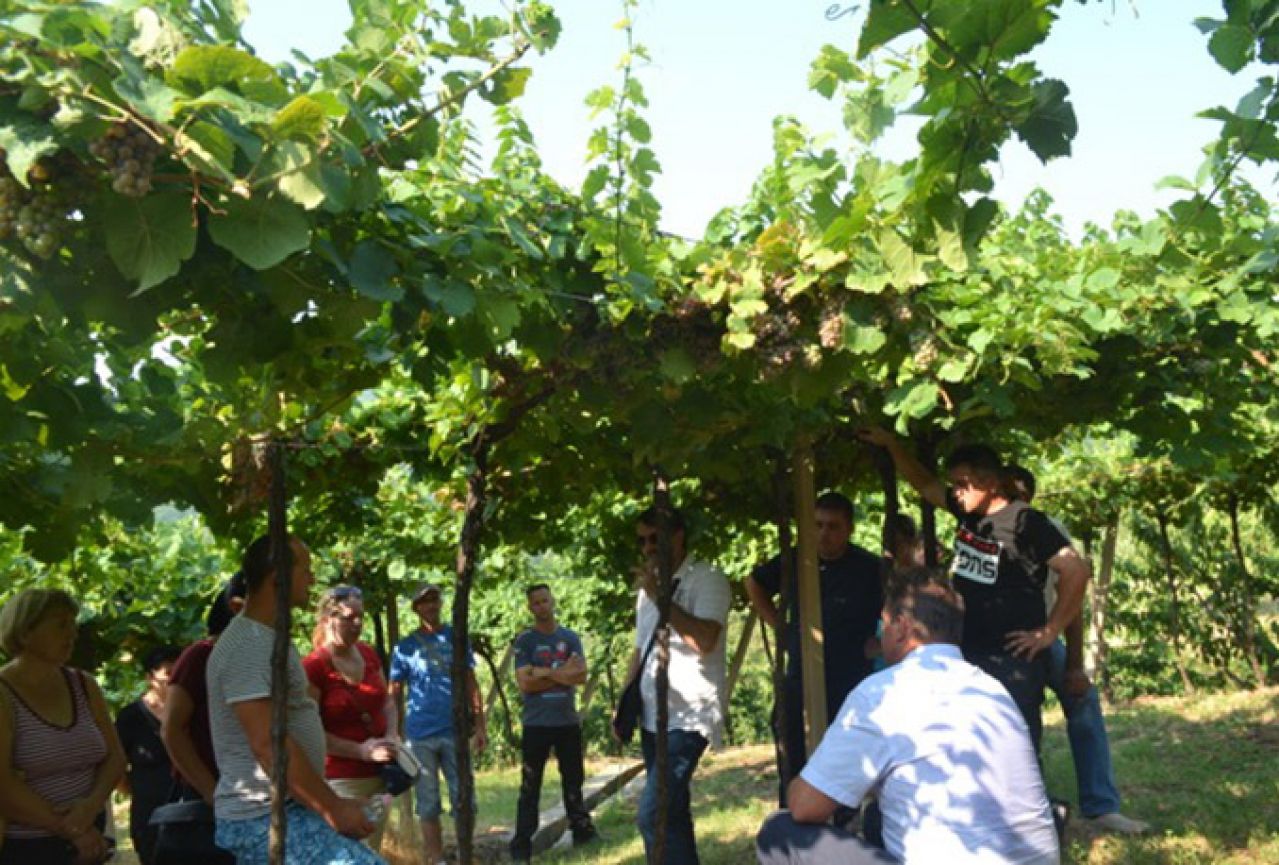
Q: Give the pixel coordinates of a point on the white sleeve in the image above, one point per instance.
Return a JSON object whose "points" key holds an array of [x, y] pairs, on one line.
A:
{"points": [[712, 598], [853, 755]]}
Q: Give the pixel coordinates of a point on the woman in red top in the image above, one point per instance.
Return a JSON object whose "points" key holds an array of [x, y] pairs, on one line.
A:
{"points": [[358, 713]]}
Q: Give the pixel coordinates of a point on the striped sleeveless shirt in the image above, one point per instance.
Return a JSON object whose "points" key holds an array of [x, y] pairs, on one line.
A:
{"points": [[57, 763]]}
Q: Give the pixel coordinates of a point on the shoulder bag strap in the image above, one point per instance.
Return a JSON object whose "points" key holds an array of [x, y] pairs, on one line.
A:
{"points": [[652, 638]]}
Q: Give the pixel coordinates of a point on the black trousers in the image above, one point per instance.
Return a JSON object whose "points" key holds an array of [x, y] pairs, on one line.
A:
{"points": [[535, 747], [1024, 680]]}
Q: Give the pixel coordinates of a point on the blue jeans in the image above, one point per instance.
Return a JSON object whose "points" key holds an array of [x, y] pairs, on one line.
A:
{"points": [[1089, 745], [436, 754], [782, 841], [684, 749]]}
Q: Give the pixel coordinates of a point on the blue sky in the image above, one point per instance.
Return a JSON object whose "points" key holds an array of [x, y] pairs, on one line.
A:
{"points": [[1138, 72]]}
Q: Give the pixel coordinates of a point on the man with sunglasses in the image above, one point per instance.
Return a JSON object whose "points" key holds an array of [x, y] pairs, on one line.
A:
{"points": [[852, 597], [1003, 552], [699, 613], [422, 665]]}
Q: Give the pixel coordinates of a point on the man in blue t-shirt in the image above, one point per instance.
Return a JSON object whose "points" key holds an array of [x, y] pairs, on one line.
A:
{"points": [[423, 663], [852, 596], [549, 665]]}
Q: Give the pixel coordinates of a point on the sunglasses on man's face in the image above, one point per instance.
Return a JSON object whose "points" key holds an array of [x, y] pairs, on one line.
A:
{"points": [[646, 539]]}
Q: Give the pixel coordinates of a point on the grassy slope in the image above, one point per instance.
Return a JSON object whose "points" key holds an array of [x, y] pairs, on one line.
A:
{"points": [[1203, 770]]}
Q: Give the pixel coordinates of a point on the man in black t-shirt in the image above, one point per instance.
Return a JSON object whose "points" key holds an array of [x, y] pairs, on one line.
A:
{"points": [[852, 597], [1003, 550]]}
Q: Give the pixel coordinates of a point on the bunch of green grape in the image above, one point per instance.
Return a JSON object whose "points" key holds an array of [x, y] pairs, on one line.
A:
{"points": [[129, 152]]}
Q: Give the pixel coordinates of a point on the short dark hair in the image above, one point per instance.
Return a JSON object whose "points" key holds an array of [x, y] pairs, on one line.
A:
{"points": [[536, 587], [932, 603], [902, 528], [259, 563], [982, 459], [837, 502], [220, 613], [158, 657], [649, 518], [1020, 482]]}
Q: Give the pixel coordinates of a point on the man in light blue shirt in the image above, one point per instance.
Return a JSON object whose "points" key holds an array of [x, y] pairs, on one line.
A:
{"points": [[940, 743], [422, 663]]}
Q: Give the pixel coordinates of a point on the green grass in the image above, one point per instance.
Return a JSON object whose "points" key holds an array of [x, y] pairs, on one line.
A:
{"points": [[1203, 770]]}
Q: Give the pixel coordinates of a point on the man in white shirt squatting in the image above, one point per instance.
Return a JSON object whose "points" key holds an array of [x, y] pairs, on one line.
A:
{"points": [[939, 742]]}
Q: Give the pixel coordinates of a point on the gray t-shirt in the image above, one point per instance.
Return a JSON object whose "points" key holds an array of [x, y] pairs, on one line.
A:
{"points": [[553, 707], [240, 670]]}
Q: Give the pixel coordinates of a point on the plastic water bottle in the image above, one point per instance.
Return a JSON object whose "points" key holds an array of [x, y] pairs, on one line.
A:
{"points": [[376, 807]]}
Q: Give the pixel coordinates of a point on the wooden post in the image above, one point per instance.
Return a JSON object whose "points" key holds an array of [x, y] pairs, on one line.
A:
{"points": [[1174, 602], [665, 571], [926, 451], [463, 720], [497, 680], [1248, 615], [739, 656], [589, 689], [812, 641], [392, 628], [781, 491], [1100, 604], [282, 564]]}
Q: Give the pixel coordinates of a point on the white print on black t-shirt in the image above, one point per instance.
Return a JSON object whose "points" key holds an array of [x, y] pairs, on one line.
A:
{"points": [[976, 559]]}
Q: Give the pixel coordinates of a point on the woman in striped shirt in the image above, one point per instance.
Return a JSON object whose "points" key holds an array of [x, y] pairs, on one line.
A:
{"points": [[59, 754]]}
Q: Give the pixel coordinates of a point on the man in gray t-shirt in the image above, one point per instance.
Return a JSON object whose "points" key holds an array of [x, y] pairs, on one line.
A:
{"points": [[321, 825], [549, 665]]}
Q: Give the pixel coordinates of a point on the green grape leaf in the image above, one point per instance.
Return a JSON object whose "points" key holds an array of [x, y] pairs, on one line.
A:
{"points": [[885, 21], [149, 238], [864, 339], [23, 140], [507, 86], [1050, 125], [912, 400], [261, 232], [303, 119], [148, 96], [371, 270], [677, 365], [201, 68], [1231, 46]]}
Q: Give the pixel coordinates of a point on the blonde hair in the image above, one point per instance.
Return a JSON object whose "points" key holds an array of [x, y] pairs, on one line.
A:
{"points": [[28, 609], [324, 610]]}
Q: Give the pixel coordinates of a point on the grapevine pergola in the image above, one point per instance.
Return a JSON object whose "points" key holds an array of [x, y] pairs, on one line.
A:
{"points": [[203, 256]]}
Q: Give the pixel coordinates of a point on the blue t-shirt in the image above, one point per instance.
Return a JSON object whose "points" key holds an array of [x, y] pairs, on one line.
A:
{"points": [[555, 706], [423, 662]]}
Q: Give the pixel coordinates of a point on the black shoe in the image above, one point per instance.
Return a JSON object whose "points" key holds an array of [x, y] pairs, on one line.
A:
{"points": [[585, 836], [1061, 816]]}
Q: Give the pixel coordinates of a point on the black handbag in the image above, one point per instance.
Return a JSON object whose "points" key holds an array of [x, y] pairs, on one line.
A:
{"points": [[630, 706], [401, 773], [184, 835]]}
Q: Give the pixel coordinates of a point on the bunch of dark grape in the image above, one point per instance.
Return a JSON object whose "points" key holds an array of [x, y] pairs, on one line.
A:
{"points": [[777, 339], [926, 349], [902, 312], [830, 332], [693, 327], [130, 154]]}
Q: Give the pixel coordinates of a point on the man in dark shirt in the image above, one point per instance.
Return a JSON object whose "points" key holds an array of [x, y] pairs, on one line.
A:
{"points": [[852, 596], [549, 665], [1003, 550]]}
